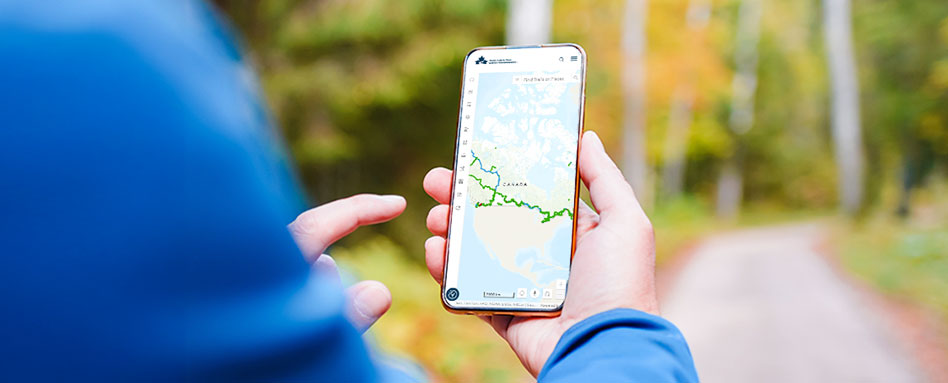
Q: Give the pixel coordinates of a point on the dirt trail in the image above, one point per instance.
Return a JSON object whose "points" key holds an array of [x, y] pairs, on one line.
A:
{"points": [[763, 305]]}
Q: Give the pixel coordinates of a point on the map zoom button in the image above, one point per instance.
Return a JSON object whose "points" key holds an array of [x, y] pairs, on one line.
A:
{"points": [[561, 284]]}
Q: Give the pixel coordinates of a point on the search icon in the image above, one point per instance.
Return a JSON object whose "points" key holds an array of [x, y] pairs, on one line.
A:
{"points": [[561, 59]]}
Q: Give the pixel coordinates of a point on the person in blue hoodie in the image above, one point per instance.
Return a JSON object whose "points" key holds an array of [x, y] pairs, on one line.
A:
{"points": [[150, 225]]}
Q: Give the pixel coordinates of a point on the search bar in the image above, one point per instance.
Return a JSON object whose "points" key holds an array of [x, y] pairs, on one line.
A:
{"points": [[541, 79]]}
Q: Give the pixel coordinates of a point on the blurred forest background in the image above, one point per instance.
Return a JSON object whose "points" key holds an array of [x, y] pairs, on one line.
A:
{"points": [[722, 113]]}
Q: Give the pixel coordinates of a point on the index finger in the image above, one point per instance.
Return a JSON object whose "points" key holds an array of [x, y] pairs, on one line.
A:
{"points": [[315, 229]]}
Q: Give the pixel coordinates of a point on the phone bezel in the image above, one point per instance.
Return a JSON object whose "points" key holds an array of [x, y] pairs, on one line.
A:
{"points": [[582, 108]]}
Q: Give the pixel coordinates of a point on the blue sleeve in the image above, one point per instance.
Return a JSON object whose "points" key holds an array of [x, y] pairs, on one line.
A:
{"points": [[620, 345], [143, 203]]}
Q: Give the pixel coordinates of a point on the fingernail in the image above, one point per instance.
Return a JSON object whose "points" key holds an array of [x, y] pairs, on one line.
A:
{"points": [[325, 263], [427, 241], [393, 198], [595, 137], [371, 302]]}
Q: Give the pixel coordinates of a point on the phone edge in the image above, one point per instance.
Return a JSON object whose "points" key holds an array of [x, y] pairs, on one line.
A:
{"points": [[582, 123]]}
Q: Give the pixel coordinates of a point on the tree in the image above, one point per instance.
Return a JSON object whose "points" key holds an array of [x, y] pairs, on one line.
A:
{"points": [[528, 21], [680, 116], [847, 134], [634, 97], [366, 92], [741, 119], [905, 93]]}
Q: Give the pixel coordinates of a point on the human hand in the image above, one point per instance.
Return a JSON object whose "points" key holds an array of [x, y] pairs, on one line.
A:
{"points": [[317, 228], [613, 266]]}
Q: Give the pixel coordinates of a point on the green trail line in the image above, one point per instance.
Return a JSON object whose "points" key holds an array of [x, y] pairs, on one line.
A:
{"points": [[547, 216]]}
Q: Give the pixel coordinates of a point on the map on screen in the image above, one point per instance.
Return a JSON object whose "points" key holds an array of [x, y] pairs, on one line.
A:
{"points": [[515, 190]]}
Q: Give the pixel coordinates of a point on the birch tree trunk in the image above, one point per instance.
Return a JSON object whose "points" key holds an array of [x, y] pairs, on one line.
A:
{"points": [[676, 142], [681, 113], [634, 162], [743, 88], [529, 21], [847, 135]]}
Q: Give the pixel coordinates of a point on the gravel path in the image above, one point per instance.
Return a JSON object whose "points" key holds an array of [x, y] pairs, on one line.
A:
{"points": [[763, 306]]}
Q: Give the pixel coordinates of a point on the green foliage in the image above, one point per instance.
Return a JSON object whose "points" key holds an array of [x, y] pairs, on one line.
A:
{"points": [[680, 223], [366, 91], [903, 47], [905, 262]]}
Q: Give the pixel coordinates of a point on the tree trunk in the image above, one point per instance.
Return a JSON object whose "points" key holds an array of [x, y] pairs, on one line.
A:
{"points": [[730, 188], [847, 136], [529, 21], [743, 88], [681, 114], [634, 162], [676, 142]]}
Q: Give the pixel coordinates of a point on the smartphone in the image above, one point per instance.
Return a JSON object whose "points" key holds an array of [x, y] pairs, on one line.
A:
{"points": [[515, 189]]}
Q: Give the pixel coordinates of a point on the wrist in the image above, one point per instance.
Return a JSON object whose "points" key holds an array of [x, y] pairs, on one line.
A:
{"points": [[598, 326]]}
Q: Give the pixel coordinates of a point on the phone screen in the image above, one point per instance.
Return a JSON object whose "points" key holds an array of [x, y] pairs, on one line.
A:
{"points": [[515, 187]]}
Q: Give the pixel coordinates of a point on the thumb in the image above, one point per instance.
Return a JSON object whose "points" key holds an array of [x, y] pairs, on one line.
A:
{"points": [[368, 300], [609, 192]]}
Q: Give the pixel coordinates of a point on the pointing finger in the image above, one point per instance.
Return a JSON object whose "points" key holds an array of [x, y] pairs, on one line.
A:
{"points": [[317, 228]]}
